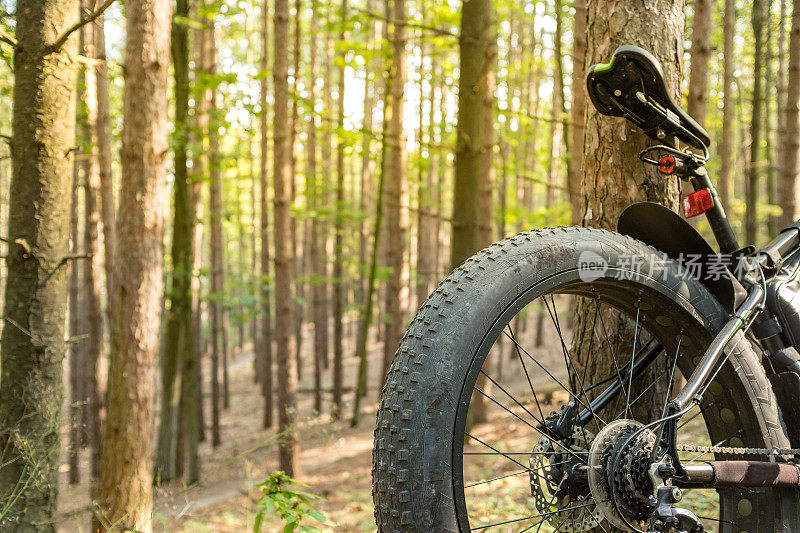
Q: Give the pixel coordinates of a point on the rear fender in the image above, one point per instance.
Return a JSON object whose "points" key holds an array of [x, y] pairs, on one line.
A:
{"points": [[668, 232]]}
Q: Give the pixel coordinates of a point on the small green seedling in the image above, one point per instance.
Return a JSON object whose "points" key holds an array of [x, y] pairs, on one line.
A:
{"points": [[291, 506]]}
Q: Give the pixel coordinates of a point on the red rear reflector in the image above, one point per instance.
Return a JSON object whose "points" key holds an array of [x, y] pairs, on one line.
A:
{"points": [[697, 203]]}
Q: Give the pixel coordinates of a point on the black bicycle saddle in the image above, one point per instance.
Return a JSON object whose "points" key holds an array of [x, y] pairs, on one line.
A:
{"points": [[632, 85]]}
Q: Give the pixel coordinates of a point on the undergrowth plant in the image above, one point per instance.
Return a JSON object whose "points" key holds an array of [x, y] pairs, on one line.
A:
{"points": [[291, 506]]}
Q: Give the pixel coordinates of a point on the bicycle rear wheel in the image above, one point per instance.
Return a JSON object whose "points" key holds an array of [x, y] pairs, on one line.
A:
{"points": [[519, 333]]}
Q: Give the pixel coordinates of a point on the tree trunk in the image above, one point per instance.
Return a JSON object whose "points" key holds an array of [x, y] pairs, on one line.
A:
{"points": [[790, 167], [297, 243], [266, 293], [32, 343], [77, 396], [726, 143], [700, 53], [92, 271], [215, 229], [608, 189], [367, 169], [426, 208], [107, 203], [395, 169], [124, 492], [319, 300], [472, 194], [177, 357], [199, 162], [780, 131], [756, 123], [578, 109], [287, 385], [338, 263]]}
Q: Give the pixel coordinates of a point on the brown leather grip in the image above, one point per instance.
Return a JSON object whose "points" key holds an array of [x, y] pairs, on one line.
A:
{"points": [[754, 474]]}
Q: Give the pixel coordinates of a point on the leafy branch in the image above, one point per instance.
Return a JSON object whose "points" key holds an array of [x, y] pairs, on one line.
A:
{"points": [[291, 506]]}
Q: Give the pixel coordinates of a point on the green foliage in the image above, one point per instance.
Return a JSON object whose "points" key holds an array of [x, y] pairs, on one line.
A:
{"points": [[291, 506]]}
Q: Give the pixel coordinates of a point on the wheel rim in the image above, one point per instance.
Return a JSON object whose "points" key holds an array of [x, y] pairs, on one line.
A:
{"points": [[529, 414]]}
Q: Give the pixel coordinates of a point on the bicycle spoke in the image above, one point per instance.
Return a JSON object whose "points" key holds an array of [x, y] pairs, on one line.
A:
{"points": [[528, 423], [525, 369], [568, 357], [549, 373], [633, 355], [511, 397], [614, 359], [495, 450], [483, 482]]}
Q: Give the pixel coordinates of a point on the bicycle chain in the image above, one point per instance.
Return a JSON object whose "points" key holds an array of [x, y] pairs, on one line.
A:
{"points": [[738, 451]]}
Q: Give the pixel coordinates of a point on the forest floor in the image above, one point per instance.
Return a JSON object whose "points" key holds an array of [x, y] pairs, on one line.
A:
{"points": [[335, 461]]}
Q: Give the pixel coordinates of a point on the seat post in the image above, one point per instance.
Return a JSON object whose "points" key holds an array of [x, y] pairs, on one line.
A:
{"points": [[717, 218]]}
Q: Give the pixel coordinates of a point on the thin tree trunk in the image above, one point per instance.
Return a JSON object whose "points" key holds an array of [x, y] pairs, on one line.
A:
{"points": [[297, 244], [92, 276], [199, 163], [780, 131], [367, 169], [472, 194], [700, 53], [266, 324], [726, 143], [107, 203], [338, 263], [177, 358], [124, 493], [32, 343], [319, 300], [789, 182], [756, 122], [287, 385], [578, 109], [76, 359], [215, 228], [394, 189]]}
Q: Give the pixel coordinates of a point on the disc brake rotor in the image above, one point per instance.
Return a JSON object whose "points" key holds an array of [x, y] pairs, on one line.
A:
{"points": [[548, 461]]}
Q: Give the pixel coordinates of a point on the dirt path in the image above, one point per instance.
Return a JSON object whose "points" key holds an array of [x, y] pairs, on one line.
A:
{"points": [[335, 460]]}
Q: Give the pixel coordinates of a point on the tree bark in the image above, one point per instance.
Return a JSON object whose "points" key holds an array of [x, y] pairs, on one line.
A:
{"points": [[790, 167], [426, 208], [32, 342], [700, 54], [319, 296], [338, 263], [578, 109], [177, 357], [366, 171], [475, 141], [265, 350], [754, 171], [92, 271], [608, 189], [394, 166], [472, 193], [726, 143], [124, 492], [107, 203], [77, 396], [287, 385]]}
